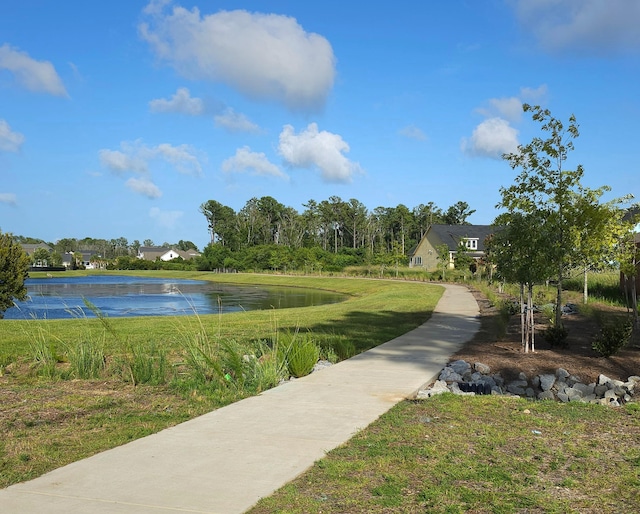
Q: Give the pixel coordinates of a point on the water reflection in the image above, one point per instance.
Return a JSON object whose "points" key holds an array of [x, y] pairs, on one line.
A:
{"points": [[119, 296]]}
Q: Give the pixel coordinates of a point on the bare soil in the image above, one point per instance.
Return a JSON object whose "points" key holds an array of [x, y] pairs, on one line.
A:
{"points": [[506, 356]]}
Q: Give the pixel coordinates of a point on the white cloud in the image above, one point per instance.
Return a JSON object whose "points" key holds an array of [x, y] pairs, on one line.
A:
{"points": [[264, 56], [166, 219], [8, 198], [235, 122], [537, 95], [181, 102], [120, 162], [134, 157], [144, 186], [181, 157], [413, 132], [491, 138], [9, 141], [37, 76], [246, 160], [599, 26], [314, 149], [510, 108]]}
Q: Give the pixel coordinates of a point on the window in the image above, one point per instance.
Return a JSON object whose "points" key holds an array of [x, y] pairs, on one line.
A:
{"points": [[471, 243]]}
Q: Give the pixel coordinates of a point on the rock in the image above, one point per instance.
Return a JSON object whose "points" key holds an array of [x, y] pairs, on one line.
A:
{"points": [[321, 364], [448, 374], [599, 390], [459, 378], [515, 388], [585, 390], [460, 366], [547, 381], [546, 395], [482, 368], [438, 387], [572, 379]]}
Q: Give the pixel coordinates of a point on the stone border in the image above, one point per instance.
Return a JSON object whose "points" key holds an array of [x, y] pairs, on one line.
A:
{"points": [[460, 377]]}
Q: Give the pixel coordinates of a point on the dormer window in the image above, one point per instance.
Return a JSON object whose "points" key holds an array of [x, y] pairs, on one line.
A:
{"points": [[471, 243]]}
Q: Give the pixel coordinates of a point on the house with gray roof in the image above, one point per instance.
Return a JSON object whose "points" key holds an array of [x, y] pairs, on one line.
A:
{"points": [[425, 253]]}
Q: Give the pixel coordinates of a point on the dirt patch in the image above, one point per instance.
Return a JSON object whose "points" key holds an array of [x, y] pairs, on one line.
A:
{"points": [[505, 355]]}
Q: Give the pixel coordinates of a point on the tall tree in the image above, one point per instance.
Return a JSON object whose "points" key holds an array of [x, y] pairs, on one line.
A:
{"points": [[220, 220], [458, 213], [14, 266], [543, 185]]}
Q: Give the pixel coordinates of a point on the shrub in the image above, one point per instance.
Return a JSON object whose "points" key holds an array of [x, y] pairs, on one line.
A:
{"points": [[299, 352], [302, 357], [612, 338], [556, 336]]}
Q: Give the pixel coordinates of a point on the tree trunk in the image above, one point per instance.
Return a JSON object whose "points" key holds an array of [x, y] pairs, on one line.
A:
{"points": [[523, 324], [558, 322], [585, 289], [531, 320]]}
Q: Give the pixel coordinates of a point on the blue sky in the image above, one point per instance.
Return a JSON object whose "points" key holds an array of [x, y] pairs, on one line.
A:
{"points": [[119, 119]]}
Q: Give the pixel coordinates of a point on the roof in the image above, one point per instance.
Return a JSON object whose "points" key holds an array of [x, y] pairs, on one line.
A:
{"points": [[452, 234]]}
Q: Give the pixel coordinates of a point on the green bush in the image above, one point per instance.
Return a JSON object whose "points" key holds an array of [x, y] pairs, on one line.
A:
{"points": [[299, 351], [556, 336], [302, 357], [612, 337]]}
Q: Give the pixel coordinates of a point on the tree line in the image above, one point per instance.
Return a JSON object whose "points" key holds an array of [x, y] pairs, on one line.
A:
{"points": [[332, 225]]}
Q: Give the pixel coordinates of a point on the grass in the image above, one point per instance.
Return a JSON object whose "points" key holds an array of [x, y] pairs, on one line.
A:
{"points": [[452, 454], [157, 372]]}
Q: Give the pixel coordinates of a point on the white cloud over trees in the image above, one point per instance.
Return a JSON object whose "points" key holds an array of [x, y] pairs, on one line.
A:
{"points": [[36, 76], [136, 157], [253, 162], [264, 56], [491, 138], [144, 186], [323, 150]]}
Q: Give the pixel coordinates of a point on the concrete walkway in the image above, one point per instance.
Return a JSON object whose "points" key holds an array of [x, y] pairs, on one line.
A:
{"points": [[225, 461]]}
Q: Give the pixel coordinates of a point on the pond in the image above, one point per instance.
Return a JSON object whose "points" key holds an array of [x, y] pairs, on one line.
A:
{"points": [[126, 296]]}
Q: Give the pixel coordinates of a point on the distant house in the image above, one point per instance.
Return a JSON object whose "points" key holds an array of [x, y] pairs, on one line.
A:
{"points": [[425, 253], [30, 248], [86, 258], [151, 253]]}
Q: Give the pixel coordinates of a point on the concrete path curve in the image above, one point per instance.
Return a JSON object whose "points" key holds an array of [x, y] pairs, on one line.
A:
{"points": [[225, 461]]}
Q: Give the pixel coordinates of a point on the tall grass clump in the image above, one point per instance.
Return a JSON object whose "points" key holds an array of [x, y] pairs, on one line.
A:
{"points": [[86, 360], [44, 356], [299, 351], [145, 363]]}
